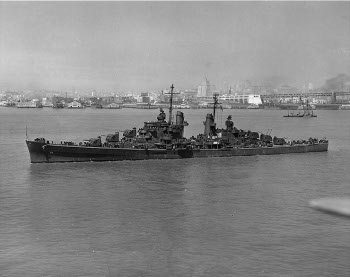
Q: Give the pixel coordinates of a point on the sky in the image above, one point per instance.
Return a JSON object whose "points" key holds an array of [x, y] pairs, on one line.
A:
{"points": [[119, 46]]}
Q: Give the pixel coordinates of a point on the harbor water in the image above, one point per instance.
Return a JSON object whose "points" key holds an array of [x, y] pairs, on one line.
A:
{"points": [[236, 216]]}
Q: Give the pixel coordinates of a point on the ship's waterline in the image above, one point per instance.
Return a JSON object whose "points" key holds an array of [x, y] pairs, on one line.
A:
{"points": [[46, 153]]}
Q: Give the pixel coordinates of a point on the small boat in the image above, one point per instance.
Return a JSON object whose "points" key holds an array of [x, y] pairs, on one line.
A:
{"points": [[344, 107], [306, 108]]}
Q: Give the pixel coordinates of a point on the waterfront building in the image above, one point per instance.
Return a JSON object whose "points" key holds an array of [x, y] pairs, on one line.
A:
{"points": [[252, 99], [189, 96], [241, 98], [74, 105], [46, 102], [145, 98]]}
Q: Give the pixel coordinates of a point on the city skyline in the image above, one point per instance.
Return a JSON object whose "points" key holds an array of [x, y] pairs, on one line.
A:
{"points": [[149, 45]]}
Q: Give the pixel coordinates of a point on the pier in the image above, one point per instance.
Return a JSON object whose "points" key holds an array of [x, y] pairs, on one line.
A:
{"points": [[330, 97]]}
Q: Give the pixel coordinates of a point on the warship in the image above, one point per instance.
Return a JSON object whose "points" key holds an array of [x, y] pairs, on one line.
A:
{"points": [[163, 139]]}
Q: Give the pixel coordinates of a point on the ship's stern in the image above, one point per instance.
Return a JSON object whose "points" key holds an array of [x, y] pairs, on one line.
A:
{"points": [[36, 152]]}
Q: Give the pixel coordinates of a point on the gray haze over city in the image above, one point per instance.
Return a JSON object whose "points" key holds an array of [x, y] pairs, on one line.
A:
{"points": [[149, 45]]}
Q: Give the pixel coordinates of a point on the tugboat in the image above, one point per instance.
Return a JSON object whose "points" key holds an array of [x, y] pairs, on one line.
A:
{"points": [[163, 139]]}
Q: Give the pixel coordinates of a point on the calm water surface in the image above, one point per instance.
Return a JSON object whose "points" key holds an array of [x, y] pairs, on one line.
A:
{"points": [[238, 216]]}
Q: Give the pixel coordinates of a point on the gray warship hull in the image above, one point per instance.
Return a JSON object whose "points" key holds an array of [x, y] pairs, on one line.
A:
{"points": [[53, 153]]}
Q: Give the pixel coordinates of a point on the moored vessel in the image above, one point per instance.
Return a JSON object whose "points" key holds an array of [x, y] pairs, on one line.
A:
{"points": [[29, 105], [344, 107], [307, 110], [163, 139], [327, 106]]}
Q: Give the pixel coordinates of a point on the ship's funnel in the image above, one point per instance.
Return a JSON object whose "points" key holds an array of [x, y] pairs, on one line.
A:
{"points": [[229, 123], [179, 118], [209, 125]]}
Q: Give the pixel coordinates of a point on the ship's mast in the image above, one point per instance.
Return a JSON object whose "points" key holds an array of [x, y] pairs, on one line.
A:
{"points": [[215, 97], [171, 103]]}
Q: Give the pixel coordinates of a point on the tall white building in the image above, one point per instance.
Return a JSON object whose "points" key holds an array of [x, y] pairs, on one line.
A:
{"points": [[199, 91], [204, 90]]}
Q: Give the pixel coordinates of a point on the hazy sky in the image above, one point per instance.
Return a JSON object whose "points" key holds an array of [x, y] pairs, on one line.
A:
{"points": [[149, 45]]}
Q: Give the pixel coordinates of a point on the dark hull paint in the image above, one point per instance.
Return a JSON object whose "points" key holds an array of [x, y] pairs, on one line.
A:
{"points": [[327, 106], [50, 153], [296, 106]]}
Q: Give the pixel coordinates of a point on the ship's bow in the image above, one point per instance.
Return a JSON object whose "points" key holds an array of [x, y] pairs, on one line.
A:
{"points": [[36, 152]]}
